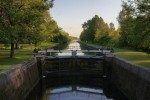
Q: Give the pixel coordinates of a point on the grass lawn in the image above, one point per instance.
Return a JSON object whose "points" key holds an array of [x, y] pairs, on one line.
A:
{"points": [[136, 57], [140, 58], [20, 55]]}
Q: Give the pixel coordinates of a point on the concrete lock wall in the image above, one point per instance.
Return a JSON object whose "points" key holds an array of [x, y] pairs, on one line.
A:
{"points": [[133, 80], [17, 81]]}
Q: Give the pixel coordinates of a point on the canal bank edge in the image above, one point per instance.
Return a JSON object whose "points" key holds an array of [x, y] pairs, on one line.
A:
{"points": [[133, 80], [17, 81]]}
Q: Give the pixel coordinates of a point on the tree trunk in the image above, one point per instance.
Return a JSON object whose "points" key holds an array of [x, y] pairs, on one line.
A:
{"points": [[16, 46], [12, 50]]}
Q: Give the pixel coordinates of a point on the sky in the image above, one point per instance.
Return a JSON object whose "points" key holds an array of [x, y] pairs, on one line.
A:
{"points": [[71, 14]]}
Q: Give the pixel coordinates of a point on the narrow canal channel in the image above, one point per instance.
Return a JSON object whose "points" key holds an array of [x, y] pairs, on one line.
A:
{"points": [[78, 80]]}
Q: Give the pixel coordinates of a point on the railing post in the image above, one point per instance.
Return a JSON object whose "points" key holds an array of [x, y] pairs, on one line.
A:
{"points": [[74, 53]]}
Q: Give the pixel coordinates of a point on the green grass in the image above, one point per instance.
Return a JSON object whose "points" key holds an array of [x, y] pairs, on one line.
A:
{"points": [[20, 55], [140, 58]]}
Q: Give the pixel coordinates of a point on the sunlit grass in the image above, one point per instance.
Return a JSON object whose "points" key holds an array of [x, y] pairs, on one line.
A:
{"points": [[139, 58], [20, 55]]}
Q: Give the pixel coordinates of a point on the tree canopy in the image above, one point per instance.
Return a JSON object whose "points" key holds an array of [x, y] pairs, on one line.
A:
{"points": [[133, 31], [96, 30], [134, 20], [26, 21]]}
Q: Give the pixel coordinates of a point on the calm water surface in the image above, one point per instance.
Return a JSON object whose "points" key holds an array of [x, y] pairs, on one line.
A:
{"points": [[74, 45], [79, 93]]}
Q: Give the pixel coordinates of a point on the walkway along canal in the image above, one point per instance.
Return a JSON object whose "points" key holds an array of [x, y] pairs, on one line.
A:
{"points": [[86, 78]]}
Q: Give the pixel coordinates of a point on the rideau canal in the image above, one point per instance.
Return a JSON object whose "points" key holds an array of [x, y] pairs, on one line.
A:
{"points": [[78, 80]]}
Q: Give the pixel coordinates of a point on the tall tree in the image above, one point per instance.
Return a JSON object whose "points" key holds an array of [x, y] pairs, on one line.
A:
{"points": [[20, 20], [96, 30], [134, 20]]}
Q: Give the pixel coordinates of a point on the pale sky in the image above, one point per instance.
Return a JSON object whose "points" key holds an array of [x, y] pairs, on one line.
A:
{"points": [[71, 14]]}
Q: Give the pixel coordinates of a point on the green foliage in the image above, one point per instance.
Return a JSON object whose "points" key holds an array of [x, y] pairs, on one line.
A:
{"points": [[21, 20], [134, 20], [61, 37], [97, 31], [21, 54], [28, 21]]}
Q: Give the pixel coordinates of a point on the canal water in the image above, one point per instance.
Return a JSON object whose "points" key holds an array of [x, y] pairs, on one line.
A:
{"points": [[74, 45], [76, 85]]}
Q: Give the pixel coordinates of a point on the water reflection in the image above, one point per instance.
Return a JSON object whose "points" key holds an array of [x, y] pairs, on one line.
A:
{"points": [[74, 45], [76, 93], [81, 89]]}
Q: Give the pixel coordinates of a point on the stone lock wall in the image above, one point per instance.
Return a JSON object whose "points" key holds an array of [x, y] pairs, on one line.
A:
{"points": [[133, 80], [17, 81]]}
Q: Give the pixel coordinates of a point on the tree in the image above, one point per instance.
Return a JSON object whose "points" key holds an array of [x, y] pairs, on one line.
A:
{"points": [[112, 26], [61, 37], [91, 28], [20, 20], [97, 31], [134, 20]]}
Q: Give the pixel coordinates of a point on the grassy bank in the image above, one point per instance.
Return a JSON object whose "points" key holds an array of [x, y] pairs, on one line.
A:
{"points": [[136, 57], [140, 58], [20, 54]]}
